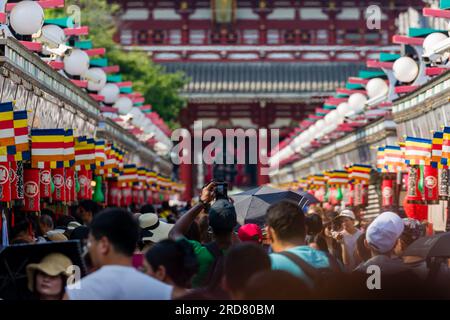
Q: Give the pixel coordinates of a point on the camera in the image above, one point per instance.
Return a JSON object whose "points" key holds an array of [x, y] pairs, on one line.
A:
{"points": [[221, 190]]}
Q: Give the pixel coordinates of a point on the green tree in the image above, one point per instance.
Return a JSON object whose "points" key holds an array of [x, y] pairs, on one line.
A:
{"points": [[159, 88]]}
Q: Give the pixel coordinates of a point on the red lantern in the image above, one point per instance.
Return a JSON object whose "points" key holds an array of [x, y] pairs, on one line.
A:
{"points": [[114, 194], [45, 183], [135, 195], [148, 194], [415, 210], [59, 182], [357, 194], [5, 183], [387, 192], [141, 197], [351, 195], [127, 196], [16, 180], [413, 194], [31, 187], [84, 179], [430, 188], [70, 185]]}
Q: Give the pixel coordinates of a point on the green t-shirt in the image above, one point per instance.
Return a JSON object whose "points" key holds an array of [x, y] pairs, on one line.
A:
{"points": [[204, 258]]}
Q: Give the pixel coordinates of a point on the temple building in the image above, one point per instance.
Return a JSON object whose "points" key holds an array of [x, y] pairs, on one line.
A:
{"points": [[259, 64]]}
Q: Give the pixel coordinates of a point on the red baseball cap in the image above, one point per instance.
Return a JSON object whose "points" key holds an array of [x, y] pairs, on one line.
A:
{"points": [[250, 232]]}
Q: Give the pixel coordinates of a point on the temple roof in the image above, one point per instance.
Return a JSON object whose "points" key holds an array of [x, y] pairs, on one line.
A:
{"points": [[258, 79]]}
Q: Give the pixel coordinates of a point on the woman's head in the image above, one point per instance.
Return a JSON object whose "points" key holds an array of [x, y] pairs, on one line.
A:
{"points": [[172, 262], [47, 278]]}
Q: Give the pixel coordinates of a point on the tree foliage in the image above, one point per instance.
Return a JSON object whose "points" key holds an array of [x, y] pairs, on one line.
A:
{"points": [[160, 89]]}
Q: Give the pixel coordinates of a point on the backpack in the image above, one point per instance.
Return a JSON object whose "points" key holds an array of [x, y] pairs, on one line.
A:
{"points": [[324, 279]]}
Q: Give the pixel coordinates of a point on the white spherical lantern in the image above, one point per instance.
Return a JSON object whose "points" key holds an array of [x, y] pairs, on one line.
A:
{"points": [[357, 102], [343, 109], [27, 17], [111, 93], [52, 36], [76, 62], [405, 69], [138, 117], [124, 105], [96, 78], [433, 39], [376, 87]]}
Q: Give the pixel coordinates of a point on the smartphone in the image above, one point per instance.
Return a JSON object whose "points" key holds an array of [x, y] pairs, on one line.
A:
{"points": [[221, 190]]}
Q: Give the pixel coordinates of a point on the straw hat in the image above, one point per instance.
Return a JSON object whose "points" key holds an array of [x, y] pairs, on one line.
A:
{"points": [[53, 264], [153, 229]]}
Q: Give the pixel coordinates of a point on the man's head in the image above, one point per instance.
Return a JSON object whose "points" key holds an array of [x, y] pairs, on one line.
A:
{"points": [[285, 225], [412, 231], [45, 224], [87, 209], [383, 233], [347, 219], [241, 262], [222, 217], [113, 237]]}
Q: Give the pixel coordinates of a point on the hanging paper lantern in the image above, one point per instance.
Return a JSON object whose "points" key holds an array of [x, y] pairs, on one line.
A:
{"points": [[70, 185], [351, 195], [357, 102], [52, 36], [76, 62], [16, 180], [387, 191], [114, 194], [32, 201], [124, 105], [84, 178], [405, 69], [58, 178], [413, 192], [45, 184], [27, 17], [127, 196], [431, 191], [149, 197], [5, 183], [111, 92], [96, 78], [376, 87], [339, 194]]}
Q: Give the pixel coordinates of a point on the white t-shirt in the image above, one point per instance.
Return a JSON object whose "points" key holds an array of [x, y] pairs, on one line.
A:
{"points": [[114, 282], [350, 244]]}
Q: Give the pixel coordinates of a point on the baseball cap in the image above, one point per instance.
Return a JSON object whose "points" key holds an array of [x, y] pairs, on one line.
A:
{"points": [[383, 232], [250, 232], [346, 213], [222, 215]]}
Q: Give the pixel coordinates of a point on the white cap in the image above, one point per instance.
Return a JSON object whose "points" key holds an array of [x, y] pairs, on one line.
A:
{"points": [[383, 232], [347, 213]]}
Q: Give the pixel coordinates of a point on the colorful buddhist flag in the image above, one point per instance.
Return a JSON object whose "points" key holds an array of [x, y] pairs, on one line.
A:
{"points": [[436, 149], [381, 161], [128, 174], [69, 149], [84, 153], [100, 156], [394, 159], [445, 147], [7, 124], [47, 148], [417, 151], [337, 178], [360, 172]]}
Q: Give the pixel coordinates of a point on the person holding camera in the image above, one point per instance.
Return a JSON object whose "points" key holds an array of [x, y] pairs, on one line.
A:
{"points": [[222, 220]]}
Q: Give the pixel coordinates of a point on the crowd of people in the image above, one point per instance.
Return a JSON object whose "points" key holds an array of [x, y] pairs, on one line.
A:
{"points": [[201, 252]]}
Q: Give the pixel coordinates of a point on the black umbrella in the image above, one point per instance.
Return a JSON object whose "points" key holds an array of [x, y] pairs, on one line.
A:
{"points": [[427, 247], [251, 205], [15, 258], [308, 196]]}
